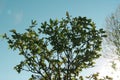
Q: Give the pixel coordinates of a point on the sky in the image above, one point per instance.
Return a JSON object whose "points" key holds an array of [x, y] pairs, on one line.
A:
{"points": [[17, 14]]}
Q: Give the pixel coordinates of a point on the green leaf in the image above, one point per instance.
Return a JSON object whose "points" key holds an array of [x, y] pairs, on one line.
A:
{"points": [[104, 36], [13, 30], [67, 14]]}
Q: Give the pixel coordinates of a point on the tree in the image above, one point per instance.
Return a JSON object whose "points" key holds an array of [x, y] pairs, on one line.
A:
{"points": [[113, 37], [58, 49], [113, 30]]}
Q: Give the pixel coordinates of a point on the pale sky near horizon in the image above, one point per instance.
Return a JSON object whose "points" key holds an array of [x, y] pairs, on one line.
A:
{"points": [[17, 14]]}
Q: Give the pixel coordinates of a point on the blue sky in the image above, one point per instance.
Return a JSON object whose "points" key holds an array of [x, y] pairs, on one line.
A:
{"points": [[17, 14]]}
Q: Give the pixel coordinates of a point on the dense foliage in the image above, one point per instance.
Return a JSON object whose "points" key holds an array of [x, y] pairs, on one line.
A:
{"points": [[58, 49]]}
